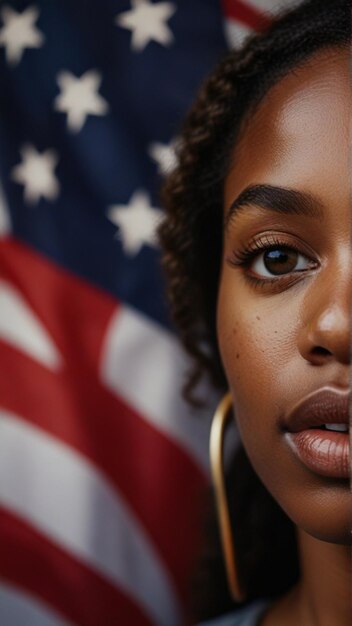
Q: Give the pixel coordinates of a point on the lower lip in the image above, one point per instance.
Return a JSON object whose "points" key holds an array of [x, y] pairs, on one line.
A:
{"points": [[325, 452]]}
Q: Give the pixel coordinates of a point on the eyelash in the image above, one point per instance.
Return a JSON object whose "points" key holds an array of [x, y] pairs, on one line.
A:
{"points": [[244, 256]]}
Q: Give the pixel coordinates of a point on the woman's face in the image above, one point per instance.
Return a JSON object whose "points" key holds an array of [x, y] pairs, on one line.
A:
{"points": [[283, 317]]}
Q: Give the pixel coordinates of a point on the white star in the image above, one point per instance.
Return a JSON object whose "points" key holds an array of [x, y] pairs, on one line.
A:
{"points": [[137, 222], [147, 21], [79, 97], [164, 155], [19, 32], [36, 173]]}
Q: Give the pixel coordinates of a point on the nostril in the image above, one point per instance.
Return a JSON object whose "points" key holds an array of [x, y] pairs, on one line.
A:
{"points": [[321, 351]]}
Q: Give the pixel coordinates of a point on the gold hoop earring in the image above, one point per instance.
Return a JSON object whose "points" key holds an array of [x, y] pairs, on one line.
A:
{"points": [[221, 417]]}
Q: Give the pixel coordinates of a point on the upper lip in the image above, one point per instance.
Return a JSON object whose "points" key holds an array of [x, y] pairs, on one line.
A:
{"points": [[323, 406]]}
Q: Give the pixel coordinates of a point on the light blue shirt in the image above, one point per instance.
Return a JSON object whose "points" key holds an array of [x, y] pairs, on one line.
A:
{"points": [[247, 616]]}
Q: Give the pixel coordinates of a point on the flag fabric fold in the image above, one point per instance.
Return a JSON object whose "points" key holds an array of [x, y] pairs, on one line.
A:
{"points": [[102, 463]]}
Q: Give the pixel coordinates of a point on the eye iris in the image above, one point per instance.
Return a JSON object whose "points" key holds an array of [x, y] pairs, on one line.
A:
{"points": [[280, 260]]}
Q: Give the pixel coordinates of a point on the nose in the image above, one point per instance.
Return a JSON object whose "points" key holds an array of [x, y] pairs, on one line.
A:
{"points": [[325, 334]]}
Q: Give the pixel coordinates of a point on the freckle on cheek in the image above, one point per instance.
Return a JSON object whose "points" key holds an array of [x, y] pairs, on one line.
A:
{"points": [[237, 355], [257, 317]]}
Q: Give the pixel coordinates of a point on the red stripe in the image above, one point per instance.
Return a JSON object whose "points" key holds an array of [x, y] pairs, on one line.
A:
{"points": [[245, 14], [75, 591], [73, 312], [161, 481]]}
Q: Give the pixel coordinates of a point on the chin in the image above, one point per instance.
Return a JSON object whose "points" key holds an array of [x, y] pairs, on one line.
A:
{"points": [[319, 506], [325, 513]]}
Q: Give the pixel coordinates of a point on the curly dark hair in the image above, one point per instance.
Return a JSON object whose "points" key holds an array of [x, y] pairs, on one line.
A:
{"points": [[191, 240]]}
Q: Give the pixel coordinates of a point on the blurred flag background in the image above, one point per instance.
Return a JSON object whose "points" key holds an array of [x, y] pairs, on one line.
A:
{"points": [[101, 462]]}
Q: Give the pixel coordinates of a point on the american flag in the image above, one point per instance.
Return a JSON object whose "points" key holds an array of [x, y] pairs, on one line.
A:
{"points": [[101, 462]]}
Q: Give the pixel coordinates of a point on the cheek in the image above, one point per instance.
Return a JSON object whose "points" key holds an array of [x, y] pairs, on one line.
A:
{"points": [[256, 337], [258, 340]]}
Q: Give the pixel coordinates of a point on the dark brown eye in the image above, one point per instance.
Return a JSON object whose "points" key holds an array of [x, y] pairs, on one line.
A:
{"points": [[278, 262], [281, 260]]}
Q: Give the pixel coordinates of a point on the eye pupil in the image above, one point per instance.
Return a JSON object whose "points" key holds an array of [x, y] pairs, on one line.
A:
{"points": [[280, 260]]}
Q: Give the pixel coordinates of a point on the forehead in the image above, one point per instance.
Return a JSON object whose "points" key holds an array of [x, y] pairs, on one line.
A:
{"points": [[299, 134]]}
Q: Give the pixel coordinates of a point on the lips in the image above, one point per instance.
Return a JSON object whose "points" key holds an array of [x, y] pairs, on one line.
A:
{"points": [[324, 452]]}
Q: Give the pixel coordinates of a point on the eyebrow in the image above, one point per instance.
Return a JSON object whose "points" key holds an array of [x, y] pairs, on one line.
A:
{"points": [[278, 199]]}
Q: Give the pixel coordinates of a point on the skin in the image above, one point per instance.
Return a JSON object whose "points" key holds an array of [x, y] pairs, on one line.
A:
{"points": [[280, 341]]}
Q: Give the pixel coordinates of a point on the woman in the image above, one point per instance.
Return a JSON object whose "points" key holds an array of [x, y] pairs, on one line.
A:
{"points": [[257, 251]]}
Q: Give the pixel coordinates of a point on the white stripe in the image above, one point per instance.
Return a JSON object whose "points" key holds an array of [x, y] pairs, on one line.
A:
{"points": [[19, 609], [5, 225], [21, 328], [66, 498], [236, 33], [144, 364]]}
